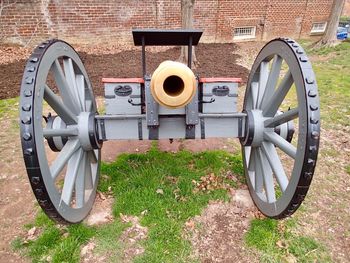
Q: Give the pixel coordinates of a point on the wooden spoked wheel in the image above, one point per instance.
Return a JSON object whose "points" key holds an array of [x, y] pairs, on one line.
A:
{"points": [[58, 132], [282, 129]]}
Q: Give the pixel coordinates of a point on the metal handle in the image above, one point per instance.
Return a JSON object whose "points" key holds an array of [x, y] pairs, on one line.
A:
{"points": [[207, 101], [221, 91], [135, 104]]}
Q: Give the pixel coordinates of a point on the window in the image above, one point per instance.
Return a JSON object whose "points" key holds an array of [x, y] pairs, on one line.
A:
{"points": [[318, 27], [244, 32]]}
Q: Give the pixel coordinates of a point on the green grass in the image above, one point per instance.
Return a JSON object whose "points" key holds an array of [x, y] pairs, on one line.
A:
{"points": [[54, 243], [333, 80], [9, 107], [343, 46], [63, 243], [106, 240], [348, 169], [135, 179], [9, 112], [276, 242], [344, 18]]}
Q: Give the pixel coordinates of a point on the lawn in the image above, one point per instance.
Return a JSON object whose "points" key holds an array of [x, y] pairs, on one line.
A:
{"points": [[334, 84], [162, 184]]}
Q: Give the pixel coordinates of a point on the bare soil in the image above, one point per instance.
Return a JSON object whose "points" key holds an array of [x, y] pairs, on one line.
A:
{"points": [[327, 216], [101, 212], [131, 238], [17, 204], [217, 234]]}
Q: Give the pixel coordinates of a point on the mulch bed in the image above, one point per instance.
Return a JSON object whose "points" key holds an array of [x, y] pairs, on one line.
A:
{"points": [[215, 60]]}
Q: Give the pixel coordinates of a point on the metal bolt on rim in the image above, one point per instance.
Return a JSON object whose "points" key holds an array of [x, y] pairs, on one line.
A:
{"points": [[262, 147], [77, 161]]}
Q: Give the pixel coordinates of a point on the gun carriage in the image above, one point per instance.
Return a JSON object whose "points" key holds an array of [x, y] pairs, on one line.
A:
{"points": [[62, 148]]}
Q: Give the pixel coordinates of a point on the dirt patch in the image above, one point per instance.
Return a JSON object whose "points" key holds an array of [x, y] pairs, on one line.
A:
{"points": [[327, 216], [10, 53], [101, 212], [86, 253], [249, 51], [111, 149], [16, 197], [324, 58], [217, 234], [131, 238], [215, 60]]}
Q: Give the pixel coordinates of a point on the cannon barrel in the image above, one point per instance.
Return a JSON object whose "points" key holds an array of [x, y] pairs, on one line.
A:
{"points": [[173, 84]]}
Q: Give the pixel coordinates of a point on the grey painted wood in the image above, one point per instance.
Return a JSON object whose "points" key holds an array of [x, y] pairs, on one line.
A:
{"points": [[117, 128], [166, 111], [222, 104], [119, 104]]}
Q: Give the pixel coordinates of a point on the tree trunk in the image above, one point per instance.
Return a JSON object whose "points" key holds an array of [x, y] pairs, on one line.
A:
{"points": [[330, 36], [187, 7]]}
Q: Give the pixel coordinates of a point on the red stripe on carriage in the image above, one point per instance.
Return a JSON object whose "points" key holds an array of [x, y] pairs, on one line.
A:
{"points": [[210, 80], [123, 80]]}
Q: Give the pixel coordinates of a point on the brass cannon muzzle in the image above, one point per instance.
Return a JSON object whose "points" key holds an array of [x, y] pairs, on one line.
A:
{"points": [[173, 84]]}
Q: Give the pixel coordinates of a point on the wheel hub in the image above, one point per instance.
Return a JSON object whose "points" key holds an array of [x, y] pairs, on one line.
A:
{"points": [[255, 129], [87, 132], [56, 143], [286, 130], [254, 134]]}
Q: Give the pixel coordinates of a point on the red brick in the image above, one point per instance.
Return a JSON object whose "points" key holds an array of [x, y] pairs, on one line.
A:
{"points": [[81, 19]]}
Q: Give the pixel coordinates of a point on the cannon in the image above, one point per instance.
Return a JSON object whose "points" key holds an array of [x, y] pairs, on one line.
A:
{"points": [[62, 132]]}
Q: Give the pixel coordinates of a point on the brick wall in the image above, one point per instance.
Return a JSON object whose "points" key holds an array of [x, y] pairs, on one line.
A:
{"points": [[346, 10], [112, 20]]}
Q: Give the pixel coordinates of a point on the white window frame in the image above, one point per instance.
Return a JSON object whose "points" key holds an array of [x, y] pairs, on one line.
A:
{"points": [[243, 35], [316, 28]]}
